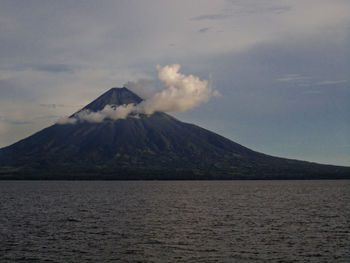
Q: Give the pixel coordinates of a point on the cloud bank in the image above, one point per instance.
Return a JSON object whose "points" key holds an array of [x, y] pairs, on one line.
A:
{"points": [[178, 94]]}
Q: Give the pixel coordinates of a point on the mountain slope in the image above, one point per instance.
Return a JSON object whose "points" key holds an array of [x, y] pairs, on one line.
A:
{"points": [[114, 96], [148, 147]]}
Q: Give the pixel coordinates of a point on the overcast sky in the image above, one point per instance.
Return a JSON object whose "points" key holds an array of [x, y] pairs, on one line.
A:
{"points": [[282, 66]]}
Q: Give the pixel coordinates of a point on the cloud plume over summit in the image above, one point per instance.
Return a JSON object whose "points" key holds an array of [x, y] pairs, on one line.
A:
{"points": [[179, 93]]}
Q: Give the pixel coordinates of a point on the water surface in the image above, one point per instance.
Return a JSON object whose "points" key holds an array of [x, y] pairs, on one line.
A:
{"points": [[175, 221]]}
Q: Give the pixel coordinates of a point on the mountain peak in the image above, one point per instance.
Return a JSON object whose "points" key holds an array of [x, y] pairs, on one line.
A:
{"points": [[150, 147], [114, 96]]}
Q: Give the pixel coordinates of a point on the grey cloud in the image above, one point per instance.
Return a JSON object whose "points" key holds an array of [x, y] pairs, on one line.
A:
{"points": [[203, 30], [257, 7], [210, 17], [14, 122], [280, 9], [331, 82], [19, 122], [313, 92], [45, 117], [53, 106], [11, 90], [292, 77], [53, 68]]}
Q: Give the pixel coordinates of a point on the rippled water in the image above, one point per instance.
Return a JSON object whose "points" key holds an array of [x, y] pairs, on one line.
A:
{"points": [[175, 221]]}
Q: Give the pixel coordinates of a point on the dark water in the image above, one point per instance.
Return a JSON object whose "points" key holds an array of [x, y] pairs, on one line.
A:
{"points": [[177, 221]]}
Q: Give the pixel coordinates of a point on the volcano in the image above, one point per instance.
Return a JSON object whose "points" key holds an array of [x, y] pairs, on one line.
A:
{"points": [[143, 147]]}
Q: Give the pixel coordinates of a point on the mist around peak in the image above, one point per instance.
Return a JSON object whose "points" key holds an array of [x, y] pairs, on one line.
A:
{"points": [[178, 93]]}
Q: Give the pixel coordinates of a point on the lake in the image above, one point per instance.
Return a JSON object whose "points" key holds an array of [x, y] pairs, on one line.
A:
{"points": [[175, 221]]}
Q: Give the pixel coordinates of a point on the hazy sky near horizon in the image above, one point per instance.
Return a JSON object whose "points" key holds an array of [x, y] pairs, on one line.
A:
{"points": [[282, 66]]}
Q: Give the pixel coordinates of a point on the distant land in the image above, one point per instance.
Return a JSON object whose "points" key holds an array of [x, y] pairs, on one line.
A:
{"points": [[144, 147]]}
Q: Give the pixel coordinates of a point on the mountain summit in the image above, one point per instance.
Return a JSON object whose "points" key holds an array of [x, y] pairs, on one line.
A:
{"points": [[156, 146], [114, 96]]}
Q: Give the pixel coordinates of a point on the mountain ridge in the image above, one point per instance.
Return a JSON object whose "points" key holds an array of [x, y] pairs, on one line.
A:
{"points": [[157, 146]]}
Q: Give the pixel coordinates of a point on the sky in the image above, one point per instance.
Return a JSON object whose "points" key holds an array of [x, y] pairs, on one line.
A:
{"points": [[281, 66]]}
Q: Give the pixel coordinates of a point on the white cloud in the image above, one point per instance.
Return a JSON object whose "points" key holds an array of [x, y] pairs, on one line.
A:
{"points": [[292, 78], [331, 82], [178, 94], [144, 88]]}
